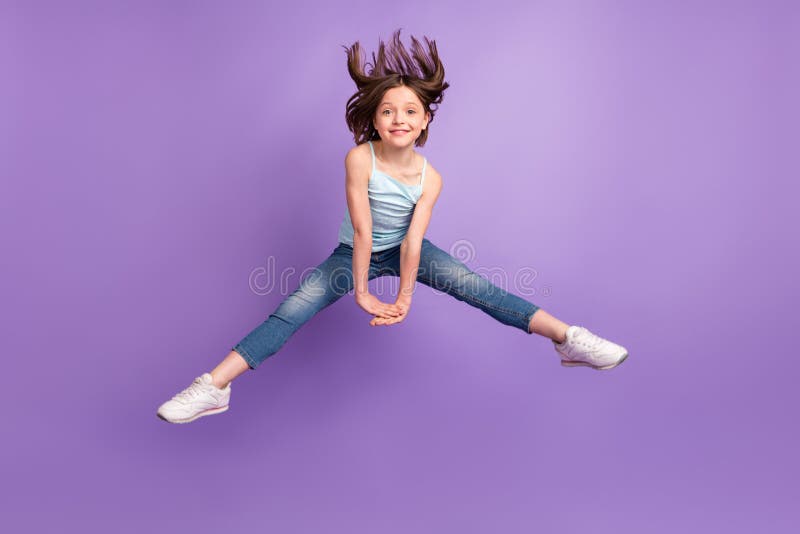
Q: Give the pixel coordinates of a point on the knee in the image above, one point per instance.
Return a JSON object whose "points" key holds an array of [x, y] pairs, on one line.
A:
{"points": [[300, 302], [469, 280]]}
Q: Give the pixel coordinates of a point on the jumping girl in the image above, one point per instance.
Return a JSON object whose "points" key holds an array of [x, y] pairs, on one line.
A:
{"points": [[391, 191]]}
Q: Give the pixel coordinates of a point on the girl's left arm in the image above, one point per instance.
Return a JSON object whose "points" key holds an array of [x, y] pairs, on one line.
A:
{"points": [[412, 243]]}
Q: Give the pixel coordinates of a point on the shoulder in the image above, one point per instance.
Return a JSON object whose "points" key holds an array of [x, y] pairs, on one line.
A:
{"points": [[358, 162], [358, 153], [433, 182], [432, 176]]}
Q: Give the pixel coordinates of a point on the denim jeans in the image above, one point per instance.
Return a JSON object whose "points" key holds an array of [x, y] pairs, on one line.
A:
{"points": [[333, 278]]}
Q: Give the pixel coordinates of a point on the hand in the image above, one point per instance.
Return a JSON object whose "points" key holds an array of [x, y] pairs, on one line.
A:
{"points": [[404, 303], [373, 306]]}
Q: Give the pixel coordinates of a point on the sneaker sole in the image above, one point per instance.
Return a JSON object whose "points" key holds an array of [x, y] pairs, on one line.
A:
{"points": [[210, 411], [567, 363]]}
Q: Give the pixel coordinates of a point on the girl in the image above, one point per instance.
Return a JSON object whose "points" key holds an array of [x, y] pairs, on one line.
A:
{"points": [[391, 190]]}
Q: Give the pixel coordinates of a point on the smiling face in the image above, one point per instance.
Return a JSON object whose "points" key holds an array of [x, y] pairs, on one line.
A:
{"points": [[400, 117]]}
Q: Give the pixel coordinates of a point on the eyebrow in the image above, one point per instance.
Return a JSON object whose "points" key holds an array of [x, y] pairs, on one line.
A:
{"points": [[407, 103]]}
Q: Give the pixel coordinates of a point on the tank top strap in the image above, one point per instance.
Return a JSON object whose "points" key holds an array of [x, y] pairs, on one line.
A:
{"points": [[372, 150], [424, 165]]}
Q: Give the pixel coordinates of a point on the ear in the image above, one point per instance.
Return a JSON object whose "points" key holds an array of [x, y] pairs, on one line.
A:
{"points": [[427, 119]]}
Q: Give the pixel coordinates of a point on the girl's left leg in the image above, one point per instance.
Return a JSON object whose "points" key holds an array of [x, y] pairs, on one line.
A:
{"points": [[443, 272], [577, 345]]}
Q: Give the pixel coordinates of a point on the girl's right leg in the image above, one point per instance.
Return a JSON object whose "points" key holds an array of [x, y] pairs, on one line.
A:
{"points": [[327, 283], [210, 393], [229, 368]]}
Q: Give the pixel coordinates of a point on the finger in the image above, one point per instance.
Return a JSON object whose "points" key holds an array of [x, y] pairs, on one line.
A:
{"points": [[384, 310], [388, 312], [384, 322]]}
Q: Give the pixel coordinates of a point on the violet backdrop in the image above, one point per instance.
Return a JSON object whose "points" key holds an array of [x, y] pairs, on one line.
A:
{"points": [[632, 157]]}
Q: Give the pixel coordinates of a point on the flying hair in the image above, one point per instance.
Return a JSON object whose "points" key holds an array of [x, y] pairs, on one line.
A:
{"points": [[421, 71]]}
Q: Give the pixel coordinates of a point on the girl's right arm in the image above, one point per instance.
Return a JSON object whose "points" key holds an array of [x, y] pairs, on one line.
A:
{"points": [[356, 183]]}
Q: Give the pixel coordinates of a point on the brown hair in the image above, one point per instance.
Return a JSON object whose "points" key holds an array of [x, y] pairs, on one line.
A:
{"points": [[393, 67]]}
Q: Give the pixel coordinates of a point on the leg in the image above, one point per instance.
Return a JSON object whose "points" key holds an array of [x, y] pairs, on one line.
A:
{"points": [[232, 366], [328, 282], [443, 272], [546, 325]]}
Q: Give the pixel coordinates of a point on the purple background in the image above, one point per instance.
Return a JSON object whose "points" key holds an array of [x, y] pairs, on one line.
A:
{"points": [[636, 155]]}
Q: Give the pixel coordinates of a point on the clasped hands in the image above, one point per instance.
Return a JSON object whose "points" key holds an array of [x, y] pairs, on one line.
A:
{"points": [[384, 313]]}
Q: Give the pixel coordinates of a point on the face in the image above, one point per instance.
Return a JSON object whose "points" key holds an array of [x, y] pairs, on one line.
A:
{"points": [[400, 117]]}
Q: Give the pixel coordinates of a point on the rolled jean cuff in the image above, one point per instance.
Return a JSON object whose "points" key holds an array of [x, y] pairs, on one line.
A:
{"points": [[244, 354], [529, 316]]}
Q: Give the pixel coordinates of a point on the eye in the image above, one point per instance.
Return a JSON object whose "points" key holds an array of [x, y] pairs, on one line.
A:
{"points": [[385, 111], [411, 111]]}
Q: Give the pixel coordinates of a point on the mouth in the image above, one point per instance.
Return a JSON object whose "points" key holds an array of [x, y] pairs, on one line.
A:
{"points": [[398, 132]]}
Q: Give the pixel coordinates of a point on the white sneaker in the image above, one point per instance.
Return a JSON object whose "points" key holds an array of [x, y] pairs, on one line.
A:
{"points": [[582, 347], [201, 398]]}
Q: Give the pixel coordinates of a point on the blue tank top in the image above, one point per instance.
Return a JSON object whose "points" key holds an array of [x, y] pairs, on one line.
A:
{"points": [[391, 204]]}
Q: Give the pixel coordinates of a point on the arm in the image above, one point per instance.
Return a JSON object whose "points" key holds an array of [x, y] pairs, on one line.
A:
{"points": [[356, 182], [412, 244]]}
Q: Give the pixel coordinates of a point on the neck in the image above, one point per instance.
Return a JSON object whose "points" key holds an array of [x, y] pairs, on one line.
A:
{"points": [[395, 156]]}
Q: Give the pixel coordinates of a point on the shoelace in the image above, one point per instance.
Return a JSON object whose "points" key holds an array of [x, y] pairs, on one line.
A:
{"points": [[191, 392], [588, 340]]}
